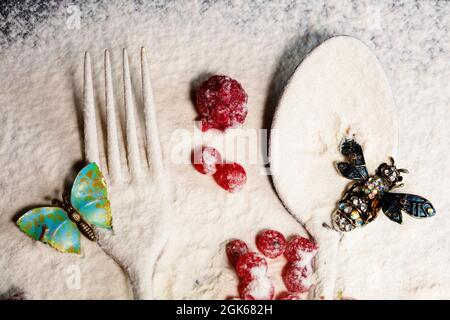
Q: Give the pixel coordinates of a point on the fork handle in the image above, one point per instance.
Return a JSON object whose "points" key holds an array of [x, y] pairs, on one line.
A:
{"points": [[141, 281], [140, 270]]}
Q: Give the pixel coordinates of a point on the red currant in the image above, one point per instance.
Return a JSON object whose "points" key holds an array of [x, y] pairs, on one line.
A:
{"points": [[298, 248], [230, 176], [296, 278], [235, 249], [271, 243], [205, 160], [251, 266]]}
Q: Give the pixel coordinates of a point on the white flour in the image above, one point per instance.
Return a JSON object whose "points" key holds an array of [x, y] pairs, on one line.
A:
{"points": [[41, 138], [260, 288]]}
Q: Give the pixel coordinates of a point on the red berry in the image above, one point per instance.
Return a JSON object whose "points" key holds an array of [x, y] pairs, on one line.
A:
{"points": [[271, 243], [206, 160], [230, 176], [296, 278], [16, 296], [289, 296], [251, 266], [222, 103], [300, 248], [235, 249], [258, 289]]}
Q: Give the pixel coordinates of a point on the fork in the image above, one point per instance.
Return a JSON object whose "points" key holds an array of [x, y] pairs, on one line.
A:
{"points": [[138, 189]]}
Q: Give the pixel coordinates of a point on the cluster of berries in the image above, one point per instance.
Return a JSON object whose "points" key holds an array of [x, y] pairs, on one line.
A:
{"points": [[222, 104], [297, 274], [251, 267], [230, 176]]}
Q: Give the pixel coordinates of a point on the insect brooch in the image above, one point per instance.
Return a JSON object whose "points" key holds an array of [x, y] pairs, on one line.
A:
{"points": [[364, 198], [60, 225]]}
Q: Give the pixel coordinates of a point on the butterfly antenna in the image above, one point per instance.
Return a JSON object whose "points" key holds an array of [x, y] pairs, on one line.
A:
{"points": [[58, 203], [66, 200], [62, 204]]}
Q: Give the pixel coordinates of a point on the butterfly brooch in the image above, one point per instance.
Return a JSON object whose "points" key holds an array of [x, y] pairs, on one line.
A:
{"points": [[60, 225]]}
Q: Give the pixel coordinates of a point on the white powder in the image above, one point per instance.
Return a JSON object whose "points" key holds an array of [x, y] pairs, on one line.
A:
{"points": [[209, 162], [41, 139], [260, 288], [258, 272]]}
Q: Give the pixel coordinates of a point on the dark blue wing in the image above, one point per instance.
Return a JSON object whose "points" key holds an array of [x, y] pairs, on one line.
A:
{"points": [[393, 204], [355, 167]]}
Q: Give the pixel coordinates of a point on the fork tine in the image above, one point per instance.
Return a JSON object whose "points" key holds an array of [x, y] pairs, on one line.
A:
{"points": [[90, 125], [113, 142], [134, 162], [154, 153]]}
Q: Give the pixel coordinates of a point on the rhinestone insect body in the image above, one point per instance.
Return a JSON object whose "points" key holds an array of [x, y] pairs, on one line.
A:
{"points": [[368, 194]]}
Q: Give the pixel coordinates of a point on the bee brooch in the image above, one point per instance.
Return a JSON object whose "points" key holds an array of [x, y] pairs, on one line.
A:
{"points": [[364, 198]]}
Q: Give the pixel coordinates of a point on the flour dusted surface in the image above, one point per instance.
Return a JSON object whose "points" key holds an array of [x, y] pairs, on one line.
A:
{"points": [[40, 136]]}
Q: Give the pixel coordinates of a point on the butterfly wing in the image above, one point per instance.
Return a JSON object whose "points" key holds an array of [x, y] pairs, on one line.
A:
{"points": [[89, 196], [393, 204], [51, 225], [355, 167]]}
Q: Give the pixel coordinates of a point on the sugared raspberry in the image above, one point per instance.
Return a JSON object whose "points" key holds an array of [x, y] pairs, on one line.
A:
{"points": [[206, 160], [297, 278], [230, 176], [222, 103], [257, 289], [289, 296], [271, 243], [300, 248], [235, 249], [251, 266]]}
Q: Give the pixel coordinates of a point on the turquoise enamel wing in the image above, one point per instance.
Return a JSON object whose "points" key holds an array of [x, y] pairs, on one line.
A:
{"points": [[60, 225]]}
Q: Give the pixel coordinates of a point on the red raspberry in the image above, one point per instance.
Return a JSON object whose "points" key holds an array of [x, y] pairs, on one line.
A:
{"points": [[235, 249], [271, 243], [230, 176], [258, 289], [296, 278], [300, 248], [206, 159], [289, 296], [221, 102], [251, 266]]}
